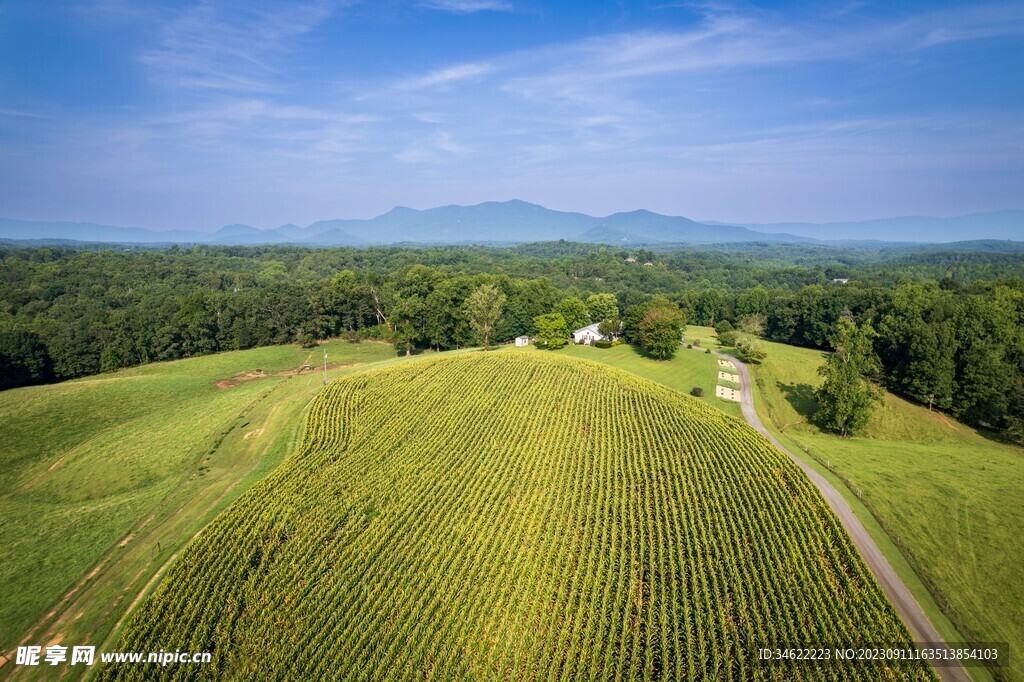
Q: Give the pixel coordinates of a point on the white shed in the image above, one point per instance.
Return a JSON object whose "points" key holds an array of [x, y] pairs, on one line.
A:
{"points": [[587, 335], [523, 340]]}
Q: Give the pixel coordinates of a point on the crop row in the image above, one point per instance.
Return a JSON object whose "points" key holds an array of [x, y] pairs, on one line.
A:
{"points": [[519, 516]]}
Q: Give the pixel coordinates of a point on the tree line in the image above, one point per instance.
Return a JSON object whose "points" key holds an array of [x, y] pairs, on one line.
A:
{"points": [[943, 334]]}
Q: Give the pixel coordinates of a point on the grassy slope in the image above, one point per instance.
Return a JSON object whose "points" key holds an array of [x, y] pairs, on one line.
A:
{"points": [[149, 452], [951, 498], [704, 336], [440, 520], [90, 514], [687, 369]]}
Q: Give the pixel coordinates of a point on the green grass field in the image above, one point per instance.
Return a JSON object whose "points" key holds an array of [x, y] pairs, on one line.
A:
{"points": [[119, 471], [705, 336], [518, 516], [950, 498], [689, 368]]}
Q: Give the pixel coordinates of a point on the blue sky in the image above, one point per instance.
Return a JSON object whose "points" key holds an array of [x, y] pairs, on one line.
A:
{"points": [[197, 114]]}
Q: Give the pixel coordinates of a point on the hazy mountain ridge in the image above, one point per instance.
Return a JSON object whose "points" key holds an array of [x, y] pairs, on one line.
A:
{"points": [[1007, 224], [519, 221]]}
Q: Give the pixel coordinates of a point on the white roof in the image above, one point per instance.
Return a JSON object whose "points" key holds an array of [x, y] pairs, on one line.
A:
{"points": [[523, 336], [588, 328]]}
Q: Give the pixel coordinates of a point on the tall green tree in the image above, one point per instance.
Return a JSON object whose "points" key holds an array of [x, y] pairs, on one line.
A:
{"points": [[988, 335], [551, 329], [635, 314], [574, 311], [443, 314], [407, 318], [931, 368], [661, 331], [483, 309], [847, 396], [602, 307]]}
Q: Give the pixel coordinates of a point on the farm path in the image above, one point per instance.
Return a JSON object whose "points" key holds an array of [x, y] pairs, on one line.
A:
{"points": [[913, 617]]}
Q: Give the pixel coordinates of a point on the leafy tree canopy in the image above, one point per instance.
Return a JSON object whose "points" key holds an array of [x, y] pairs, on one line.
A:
{"points": [[847, 397]]}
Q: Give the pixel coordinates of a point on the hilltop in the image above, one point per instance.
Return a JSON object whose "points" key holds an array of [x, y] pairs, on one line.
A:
{"points": [[555, 519]]}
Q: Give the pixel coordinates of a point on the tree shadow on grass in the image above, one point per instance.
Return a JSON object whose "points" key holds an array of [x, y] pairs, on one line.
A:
{"points": [[641, 352], [801, 398], [650, 356], [400, 352]]}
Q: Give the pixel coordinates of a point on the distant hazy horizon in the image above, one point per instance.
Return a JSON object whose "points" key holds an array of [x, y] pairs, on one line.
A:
{"points": [[517, 221], [165, 114], [770, 227]]}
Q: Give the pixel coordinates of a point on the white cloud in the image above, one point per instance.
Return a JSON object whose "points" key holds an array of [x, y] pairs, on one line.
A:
{"points": [[727, 41], [232, 45], [437, 148], [469, 6], [446, 76]]}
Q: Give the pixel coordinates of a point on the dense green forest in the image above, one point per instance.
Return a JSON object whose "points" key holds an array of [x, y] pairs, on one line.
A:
{"points": [[947, 323]]}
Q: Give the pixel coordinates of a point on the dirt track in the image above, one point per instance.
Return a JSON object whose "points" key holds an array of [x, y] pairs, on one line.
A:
{"points": [[913, 617]]}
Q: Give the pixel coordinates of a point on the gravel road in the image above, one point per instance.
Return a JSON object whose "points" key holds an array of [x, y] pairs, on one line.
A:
{"points": [[920, 627]]}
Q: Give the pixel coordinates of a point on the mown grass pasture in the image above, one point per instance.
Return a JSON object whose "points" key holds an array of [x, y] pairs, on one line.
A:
{"points": [[103, 479], [950, 497], [689, 368], [518, 516]]}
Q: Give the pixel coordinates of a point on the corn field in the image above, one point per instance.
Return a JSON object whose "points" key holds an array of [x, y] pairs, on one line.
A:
{"points": [[520, 517]]}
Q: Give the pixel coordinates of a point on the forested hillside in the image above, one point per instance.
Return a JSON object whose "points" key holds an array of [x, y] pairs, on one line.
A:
{"points": [[947, 322]]}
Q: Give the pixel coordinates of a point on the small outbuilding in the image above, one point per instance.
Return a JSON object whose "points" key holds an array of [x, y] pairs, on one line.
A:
{"points": [[523, 340], [587, 335]]}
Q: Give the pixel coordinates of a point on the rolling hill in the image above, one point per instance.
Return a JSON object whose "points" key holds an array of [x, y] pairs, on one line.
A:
{"points": [[103, 479], [520, 516]]}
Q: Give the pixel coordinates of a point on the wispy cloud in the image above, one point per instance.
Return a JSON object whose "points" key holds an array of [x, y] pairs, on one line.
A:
{"points": [[688, 107], [244, 110], [727, 40], [436, 148], [232, 45], [446, 76], [21, 113], [972, 23], [469, 6]]}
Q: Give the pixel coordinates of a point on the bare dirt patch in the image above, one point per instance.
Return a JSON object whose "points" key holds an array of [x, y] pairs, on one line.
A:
{"points": [[242, 377], [316, 368], [257, 374], [252, 434]]}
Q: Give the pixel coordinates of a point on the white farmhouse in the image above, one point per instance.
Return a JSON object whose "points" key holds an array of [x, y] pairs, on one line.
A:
{"points": [[587, 335], [523, 340]]}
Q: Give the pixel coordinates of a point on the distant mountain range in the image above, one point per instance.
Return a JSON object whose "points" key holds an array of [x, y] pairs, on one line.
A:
{"points": [[516, 221], [995, 225]]}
